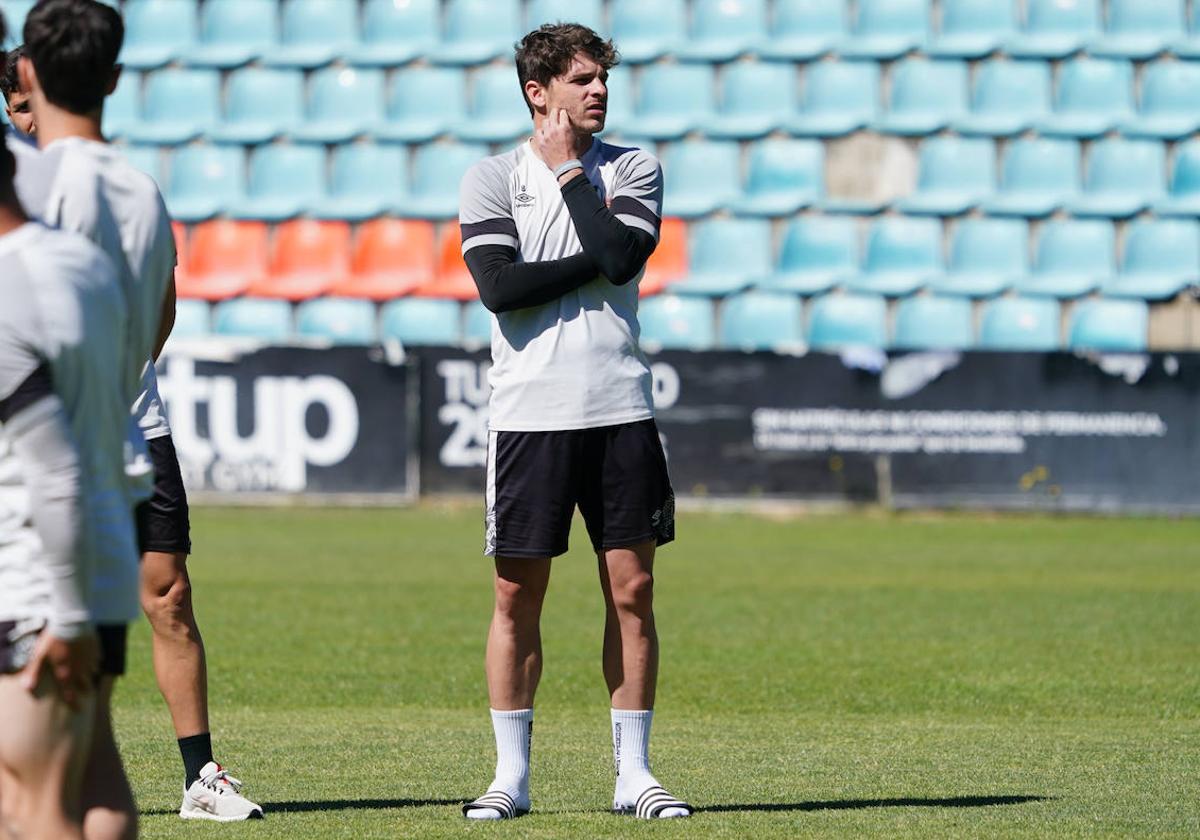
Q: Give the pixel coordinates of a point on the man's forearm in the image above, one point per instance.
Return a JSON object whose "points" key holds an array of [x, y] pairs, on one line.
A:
{"points": [[619, 250], [505, 284]]}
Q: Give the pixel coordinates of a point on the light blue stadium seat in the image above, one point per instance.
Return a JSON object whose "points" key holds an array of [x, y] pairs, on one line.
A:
{"points": [[205, 181], [903, 255], [1184, 196], [673, 99], [1073, 258], [986, 255], [1123, 178], [123, 107], [888, 29], [367, 180], [647, 31], [1055, 29], [1008, 98], [1038, 176], [836, 322], [974, 28], [260, 105], [802, 30], [671, 322], [157, 32], [931, 322], [178, 105], [145, 159], [785, 175], [1161, 259], [343, 102], [284, 181], [722, 30], [620, 100], [338, 319], [1094, 94], [421, 321], [758, 320], [313, 33], [839, 97], [1170, 102], [757, 98], [437, 172], [192, 319], [234, 32], [818, 253], [477, 325], [588, 12], [725, 256], [700, 176], [424, 102], [497, 112], [1110, 326], [247, 317], [955, 175], [395, 33], [926, 95], [1140, 29], [1020, 324], [1188, 46], [476, 31], [15, 12]]}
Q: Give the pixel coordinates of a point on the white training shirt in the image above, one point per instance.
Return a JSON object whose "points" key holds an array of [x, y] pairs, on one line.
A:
{"points": [[573, 363]]}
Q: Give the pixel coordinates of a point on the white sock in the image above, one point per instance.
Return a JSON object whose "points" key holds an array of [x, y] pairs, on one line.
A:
{"points": [[631, 755], [514, 731]]}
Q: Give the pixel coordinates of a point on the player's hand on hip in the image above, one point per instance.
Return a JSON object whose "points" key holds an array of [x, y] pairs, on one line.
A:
{"points": [[555, 140], [73, 664]]}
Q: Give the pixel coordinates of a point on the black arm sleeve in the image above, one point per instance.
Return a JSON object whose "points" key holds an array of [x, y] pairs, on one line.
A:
{"points": [[619, 250], [505, 284]]}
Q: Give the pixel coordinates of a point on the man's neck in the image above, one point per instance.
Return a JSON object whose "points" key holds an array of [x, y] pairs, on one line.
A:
{"points": [[11, 215], [56, 124]]}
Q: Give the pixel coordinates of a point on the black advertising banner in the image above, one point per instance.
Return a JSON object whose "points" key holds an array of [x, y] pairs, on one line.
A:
{"points": [[454, 419]]}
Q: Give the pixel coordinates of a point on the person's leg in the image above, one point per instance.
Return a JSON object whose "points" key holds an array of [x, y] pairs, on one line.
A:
{"points": [[109, 811], [630, 639]]}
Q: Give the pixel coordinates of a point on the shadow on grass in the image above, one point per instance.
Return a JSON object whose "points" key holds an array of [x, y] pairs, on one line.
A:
{"points": [[305, 806], [856, 804]]}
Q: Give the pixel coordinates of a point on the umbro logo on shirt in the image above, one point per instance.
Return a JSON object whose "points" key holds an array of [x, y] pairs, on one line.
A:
{"points": [[524, 199]]}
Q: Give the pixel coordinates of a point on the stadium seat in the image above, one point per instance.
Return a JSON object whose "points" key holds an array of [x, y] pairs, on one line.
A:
{"points": [[1008, 98], [224, 257], [700, 176], [123, 107], [390, 258], [424, 102], [476, 31], [343, 102], [204, 181], [926, 95], [437, 172], [1111, 326], [930, 322], [1184, 196], [421, 321], [1140, 29], [647, 31], [477, 325], [191, 319], [837, 321], [887, 29], [266, 320], [903, 255], [722, 30], [1188, 45], [1073, 258], [339, 320], [1056, 29], [785, 175], [260, 105], [974, 28], [1094, 95], [726, 256], [802, 30], [985, 256], [818, 253], [497, 113], [757, 98], [313, 33], [395, 33], [284, 181], [761, 320], [146, 159], [1020, 324], [451, 279], [234, 32], [307, 258], [1161, 258], [669, 262], [839, 97], [367, 181], [588, 12], [178, 105], [1170, 102], [672, 100], [670, 322], [1038, 176], [15, 12], [1123, 178], [157, 32], [955, 174]]}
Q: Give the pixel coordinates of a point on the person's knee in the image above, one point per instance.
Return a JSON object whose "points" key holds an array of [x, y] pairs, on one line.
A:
{"points": [[519, 601], [168, 601], [634, 594]]}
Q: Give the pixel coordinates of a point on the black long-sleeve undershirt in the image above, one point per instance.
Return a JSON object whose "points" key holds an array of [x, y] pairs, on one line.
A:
{"points": [[618, 249], [505, 284]]}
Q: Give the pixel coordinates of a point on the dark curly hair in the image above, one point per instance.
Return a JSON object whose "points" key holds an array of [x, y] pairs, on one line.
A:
{"points": [[9, 83], [547, 52]]}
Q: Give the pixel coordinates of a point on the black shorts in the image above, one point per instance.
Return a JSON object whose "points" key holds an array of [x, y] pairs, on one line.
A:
{"points": [[617, 475], [16, 647], [162, 520]]}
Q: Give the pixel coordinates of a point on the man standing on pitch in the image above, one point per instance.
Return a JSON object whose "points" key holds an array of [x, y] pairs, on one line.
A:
{"points": [[556, 233]]}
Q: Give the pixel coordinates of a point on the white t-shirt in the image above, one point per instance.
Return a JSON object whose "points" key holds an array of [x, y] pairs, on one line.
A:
{"points": [[573, 363]]}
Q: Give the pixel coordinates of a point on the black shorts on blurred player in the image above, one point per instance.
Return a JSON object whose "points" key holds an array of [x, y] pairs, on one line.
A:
{"points": [[162, 520], [16, 646]]}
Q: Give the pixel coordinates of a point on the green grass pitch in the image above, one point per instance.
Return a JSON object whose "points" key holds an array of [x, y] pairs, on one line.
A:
{"points": [[830, 676]]}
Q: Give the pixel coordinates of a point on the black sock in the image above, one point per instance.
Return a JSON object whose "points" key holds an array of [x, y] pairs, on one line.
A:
{"points": [[196, 751]]}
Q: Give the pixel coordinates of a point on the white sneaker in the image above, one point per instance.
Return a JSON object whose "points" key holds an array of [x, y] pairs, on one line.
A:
{"points": [[217, 796]]}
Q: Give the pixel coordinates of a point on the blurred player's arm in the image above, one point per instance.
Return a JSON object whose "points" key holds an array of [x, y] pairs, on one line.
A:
{"points": [[167, 322]]}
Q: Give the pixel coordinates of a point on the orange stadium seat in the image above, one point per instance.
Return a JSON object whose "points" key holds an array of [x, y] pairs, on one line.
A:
{"points": [[307, 258], [452, 279], [669, 261], [223, 259], [391, 257]]}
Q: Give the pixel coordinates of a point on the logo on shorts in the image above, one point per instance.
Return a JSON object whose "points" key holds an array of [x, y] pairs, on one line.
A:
{"points": [[656, 518], [524, 199]]}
